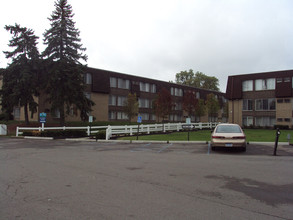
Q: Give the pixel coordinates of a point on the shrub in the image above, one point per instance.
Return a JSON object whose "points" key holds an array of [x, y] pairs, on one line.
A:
{"points": [[101, 134], [57, 133], [282, 127]]}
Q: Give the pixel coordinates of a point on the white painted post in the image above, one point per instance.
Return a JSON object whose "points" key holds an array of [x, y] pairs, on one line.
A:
{"points": [[17, 131], [148, 129], [88, 131]]}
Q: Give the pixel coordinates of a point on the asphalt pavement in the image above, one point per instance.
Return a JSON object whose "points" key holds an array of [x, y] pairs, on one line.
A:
{"points": [[58, 179]]}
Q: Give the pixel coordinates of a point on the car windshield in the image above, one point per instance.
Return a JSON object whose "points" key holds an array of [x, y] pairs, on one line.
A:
{"points": [[228, 129]]}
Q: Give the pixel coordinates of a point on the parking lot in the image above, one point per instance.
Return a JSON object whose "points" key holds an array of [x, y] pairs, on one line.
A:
{"points": [[58, 179]]}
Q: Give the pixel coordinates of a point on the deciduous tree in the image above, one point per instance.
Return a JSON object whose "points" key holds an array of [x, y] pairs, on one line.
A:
{"points": [[198, 79], [131, 106], [163, 104], [189, 102], [212, 105]]}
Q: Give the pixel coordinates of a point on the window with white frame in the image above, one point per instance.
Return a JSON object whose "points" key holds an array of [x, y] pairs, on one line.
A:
{"points": [[88, 78], [153, 88], [87, 95], [265, 121], [247, 85], [16, 112], [113, 82], [122, 116], [112, 115], [265, 84], [144, 116], [123, 83], [143, 103], [56, 113], [178, 106], [112, 100], [247, 105], [147, 87], [153, 117], [247, 120], [121, 100], [265, 104], [197, 95], [176, 91]]}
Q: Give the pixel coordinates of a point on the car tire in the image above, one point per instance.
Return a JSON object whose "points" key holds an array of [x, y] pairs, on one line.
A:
{"points": [[213, 148], [243, 149]]}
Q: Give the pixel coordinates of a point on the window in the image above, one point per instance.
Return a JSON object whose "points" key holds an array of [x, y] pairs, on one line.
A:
{"points": [[112, 115], [176, 92], [279, 119], [197, 95], [153, 88], [88, 78], [280, 100], [247, 85], [144, 116], [147, 87], [56, 113], [178, 106], [279, 80], [287, 100], [143, 103], [265, 104], [265, 84], [121, 100], [123, 83], [287, 119], [113, 82], [265, 121], [247, 105], [152, 117], [122, 116], [175, 117], [87, 95], [112, 100], [287, 79], [16, 112], [247, 121]]}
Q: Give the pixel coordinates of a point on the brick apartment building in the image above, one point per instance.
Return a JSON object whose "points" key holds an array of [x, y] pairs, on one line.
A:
{"points": [[261, 99], [109, 90]]}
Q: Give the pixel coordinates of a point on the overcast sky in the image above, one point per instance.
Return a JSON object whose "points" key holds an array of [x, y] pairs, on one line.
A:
{"points": [[159, 38]]}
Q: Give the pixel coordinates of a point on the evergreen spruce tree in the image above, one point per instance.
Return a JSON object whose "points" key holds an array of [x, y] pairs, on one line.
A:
{"points": [[20, 79], [65, 73]]}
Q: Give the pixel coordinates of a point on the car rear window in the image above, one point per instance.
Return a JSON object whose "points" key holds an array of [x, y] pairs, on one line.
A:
{"points": [[228, 129]]}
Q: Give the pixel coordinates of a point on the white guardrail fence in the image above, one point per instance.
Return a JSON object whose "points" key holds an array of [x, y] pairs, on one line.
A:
{"points": [[126, 129]]}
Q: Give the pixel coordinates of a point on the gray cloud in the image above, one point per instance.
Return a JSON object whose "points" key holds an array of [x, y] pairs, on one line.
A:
{"points": [[159, 38]]}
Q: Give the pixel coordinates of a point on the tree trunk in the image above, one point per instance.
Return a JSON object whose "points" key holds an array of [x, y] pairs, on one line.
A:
{"points": [[26, 114], [62, 115]]}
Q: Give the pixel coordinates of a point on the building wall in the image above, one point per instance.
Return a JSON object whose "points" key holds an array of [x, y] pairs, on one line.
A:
{"points": [[284, 111], [235, 111], [269, 96], [101, 107]]}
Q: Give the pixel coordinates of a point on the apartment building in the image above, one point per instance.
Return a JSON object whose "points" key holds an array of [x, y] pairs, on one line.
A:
{"points": [[261, 99], [110, 89]]}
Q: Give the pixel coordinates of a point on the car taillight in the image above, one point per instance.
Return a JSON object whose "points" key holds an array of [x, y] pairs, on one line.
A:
{"points": [[221, 137], [239, 137]]}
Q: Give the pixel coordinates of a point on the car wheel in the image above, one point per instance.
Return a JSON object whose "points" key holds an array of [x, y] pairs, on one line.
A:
{"points": [[213, 148], [243, 149]]}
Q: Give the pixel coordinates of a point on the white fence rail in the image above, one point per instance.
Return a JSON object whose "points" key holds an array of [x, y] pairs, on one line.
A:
{"points": [[89, 129], [133, 129], [125, 129]]}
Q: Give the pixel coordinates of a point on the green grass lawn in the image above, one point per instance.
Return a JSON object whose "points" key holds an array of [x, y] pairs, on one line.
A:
{"points": [[259, 135]]}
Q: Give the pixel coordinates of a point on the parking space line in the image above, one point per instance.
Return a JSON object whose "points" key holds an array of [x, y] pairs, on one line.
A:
{"points": [[164, 148], [141, 148]]}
